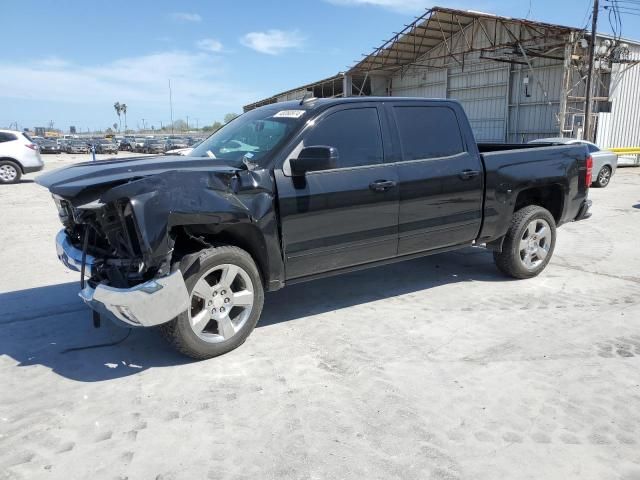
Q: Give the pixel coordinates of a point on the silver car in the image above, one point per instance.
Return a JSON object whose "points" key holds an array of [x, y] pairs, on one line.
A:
{"points": [[605, 162]]}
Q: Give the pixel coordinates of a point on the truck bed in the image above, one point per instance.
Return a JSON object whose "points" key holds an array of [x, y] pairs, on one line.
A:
{"points": [[510, 169]]}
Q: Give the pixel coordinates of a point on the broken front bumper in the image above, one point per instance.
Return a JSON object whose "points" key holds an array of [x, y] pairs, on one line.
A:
{"points": [[145, 305]]}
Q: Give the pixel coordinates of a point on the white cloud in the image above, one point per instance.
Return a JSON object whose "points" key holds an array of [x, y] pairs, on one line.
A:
{"points": [[209, 45], [53, 62], [272, 42], [198, 82], [404, 6], [186, 17]]}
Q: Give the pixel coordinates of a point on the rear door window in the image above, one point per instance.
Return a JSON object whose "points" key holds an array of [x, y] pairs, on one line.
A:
{"points": [[428, 132], [7, 137]]}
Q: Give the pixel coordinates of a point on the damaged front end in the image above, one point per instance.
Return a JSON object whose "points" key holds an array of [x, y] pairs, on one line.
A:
{"points": [[128, 223], [102, 242]]}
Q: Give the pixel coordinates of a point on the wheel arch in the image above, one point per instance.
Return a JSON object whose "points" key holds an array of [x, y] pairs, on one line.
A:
{"points": [[190, 239], [549, 197], [14, 161]]}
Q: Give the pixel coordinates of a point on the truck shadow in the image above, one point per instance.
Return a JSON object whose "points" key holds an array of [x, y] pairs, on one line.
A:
{"points": [[39, 325], [411, 276]]}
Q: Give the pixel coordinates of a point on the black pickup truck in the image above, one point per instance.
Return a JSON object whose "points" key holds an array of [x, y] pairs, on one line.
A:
{"points": [[293, 191]]}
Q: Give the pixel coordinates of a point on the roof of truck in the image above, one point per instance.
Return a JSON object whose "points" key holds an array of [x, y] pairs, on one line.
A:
{"points": [[315, 103]]}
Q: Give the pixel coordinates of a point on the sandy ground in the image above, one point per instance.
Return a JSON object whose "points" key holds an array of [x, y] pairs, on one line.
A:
{"points": [[434, 368]]}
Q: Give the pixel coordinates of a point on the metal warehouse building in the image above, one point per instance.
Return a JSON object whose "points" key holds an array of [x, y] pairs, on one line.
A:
{"points": [[517, 79]]}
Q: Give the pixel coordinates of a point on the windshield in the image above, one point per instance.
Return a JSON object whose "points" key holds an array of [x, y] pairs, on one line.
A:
{"points": [[251, 136]]}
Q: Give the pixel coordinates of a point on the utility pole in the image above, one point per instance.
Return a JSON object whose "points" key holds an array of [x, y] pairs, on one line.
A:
{"points": [[171, 105], [586, 134]]}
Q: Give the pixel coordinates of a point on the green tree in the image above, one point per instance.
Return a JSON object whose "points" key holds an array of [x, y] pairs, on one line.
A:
{"points": [[230, 116], [215, 126], [179, 125], [118, 109]]}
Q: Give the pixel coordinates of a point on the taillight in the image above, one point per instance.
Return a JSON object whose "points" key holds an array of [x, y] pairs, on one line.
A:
{"points": [[589, 175], [32, 146]]}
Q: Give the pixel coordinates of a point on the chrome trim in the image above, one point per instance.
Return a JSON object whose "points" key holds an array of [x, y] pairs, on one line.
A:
{"points": [[146, 305], [72, 256]]}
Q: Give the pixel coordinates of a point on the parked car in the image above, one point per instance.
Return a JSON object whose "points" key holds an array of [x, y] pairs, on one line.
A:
{"points": [[175, 143], [18, 155], [185, 152], [106, 145], [77, 146], [139, 144], [320, 189], [605, 162], [153, 145], [50, 146], [128, 144]]}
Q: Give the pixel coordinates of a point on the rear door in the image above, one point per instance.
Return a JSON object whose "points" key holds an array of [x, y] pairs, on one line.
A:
{"points": [[441, 177], [345, 216]]}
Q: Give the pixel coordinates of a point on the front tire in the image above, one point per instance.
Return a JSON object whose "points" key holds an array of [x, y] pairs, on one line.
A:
{"points": [[10, 172], [227, 296], [528, 244], [604, 177]]}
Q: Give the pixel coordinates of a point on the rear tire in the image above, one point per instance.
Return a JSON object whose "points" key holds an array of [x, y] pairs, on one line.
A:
{"points": [[528, 244], [227, 296], [10, 172], [604, 177]]}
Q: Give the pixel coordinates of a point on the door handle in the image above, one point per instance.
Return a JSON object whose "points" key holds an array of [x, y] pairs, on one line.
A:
{"points": [[468, 174], [382, 185]]}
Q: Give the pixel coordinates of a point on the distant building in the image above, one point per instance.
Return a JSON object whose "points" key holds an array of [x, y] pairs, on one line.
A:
{"points": [[517, 79]]}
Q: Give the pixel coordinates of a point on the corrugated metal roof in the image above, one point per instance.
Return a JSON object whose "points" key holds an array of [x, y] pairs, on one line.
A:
{"points": [[436, 26]]}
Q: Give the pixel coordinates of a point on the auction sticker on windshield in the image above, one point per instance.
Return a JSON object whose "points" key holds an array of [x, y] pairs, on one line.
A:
{"points": [[289, 114]]}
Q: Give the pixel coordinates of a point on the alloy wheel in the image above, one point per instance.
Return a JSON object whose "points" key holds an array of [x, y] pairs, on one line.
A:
{"points": [[8, 173], [604, 177], [221, 303], [535, 243]]}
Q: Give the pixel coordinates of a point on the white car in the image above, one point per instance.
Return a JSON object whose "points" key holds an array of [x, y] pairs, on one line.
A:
{"points": [[18, 155], [185, 152]]}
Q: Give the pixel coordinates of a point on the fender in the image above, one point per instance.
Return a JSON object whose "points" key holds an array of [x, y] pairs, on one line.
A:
{"points": [[236, 203]]}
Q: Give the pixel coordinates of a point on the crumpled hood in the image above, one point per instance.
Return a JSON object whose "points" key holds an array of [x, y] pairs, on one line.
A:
{"points": [[74, 180]]}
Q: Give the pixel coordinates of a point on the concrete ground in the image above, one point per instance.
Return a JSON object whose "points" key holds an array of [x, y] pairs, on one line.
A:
{"points": [[434, 368]]}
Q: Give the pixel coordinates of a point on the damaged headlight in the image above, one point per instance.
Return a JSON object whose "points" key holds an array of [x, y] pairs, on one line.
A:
{"points": [[64, 210]]}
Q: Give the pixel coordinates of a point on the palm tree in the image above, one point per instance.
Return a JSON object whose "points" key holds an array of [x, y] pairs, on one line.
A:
{"points": [[118, 109], [123, 109]]}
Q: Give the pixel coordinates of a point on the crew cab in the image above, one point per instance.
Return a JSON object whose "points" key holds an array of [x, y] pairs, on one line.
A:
{"points": [[293, 191]]}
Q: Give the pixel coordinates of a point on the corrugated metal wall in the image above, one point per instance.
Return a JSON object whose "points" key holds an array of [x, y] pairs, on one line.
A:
{"points": [[621, 127], [482, 88], [492, 93], [534, 108]]}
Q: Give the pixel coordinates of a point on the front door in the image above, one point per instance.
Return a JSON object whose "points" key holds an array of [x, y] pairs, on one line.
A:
{"points": [[345, 216]]}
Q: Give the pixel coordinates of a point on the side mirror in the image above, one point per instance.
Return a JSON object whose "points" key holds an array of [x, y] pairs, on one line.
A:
{"points": [[312, 159]]}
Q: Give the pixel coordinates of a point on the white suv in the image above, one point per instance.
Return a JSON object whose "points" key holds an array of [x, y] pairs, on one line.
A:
{"points": [[18, 155]]}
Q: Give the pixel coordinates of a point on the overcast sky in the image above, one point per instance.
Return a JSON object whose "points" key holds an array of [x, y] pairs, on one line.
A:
{"points": [[67, 63]]}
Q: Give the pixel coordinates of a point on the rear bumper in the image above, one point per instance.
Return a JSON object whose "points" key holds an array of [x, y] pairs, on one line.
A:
{"points": [[146, 305], [35, 168], [584, 211]]}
